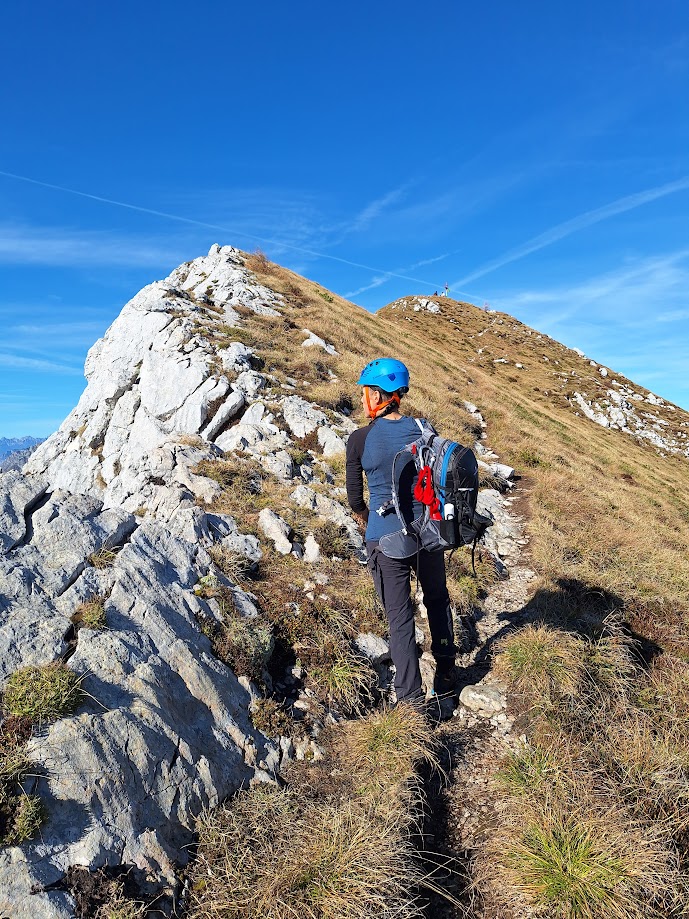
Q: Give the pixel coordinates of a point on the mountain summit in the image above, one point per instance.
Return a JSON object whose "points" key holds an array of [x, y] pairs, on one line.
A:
{"points": [[179, 571]]}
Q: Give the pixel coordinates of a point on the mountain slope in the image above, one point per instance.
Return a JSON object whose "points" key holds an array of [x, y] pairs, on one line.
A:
{"points": [[10, 445], [195, 493]]}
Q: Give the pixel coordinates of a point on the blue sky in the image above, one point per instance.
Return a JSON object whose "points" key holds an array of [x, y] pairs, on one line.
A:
{"points": [[533, 156]]}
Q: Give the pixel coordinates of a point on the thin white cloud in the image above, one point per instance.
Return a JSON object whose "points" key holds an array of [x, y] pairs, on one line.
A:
{"points": [[637, 294], [581, 222], [41, 366], [27, 245], [190, 221], [375, 282], [633, 319], [58, 328], [381, 279], [376, 208]]}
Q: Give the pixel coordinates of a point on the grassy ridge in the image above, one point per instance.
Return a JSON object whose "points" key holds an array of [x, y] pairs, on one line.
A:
{"points": [[596, 801]]}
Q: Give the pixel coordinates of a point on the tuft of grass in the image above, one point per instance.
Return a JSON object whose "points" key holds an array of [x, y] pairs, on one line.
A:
{"points": [[384, 749], [244, 644], [238, 568], [42, 693], [577, 865], [119, 906], [91, 614], [299, 457], [15, 812], [541, 664], [665, 693], [369, 614], [13, 763], [650, 765], [332, 539], [343, 678], [529, 769], [319, 861], [102, 558], [531, 459]]}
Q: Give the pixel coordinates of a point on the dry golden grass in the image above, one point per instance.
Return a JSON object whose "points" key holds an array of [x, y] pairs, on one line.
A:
{"points": [[384, 750], [328, 854], [541, 665], [90, 614], [607, 523], [319, 861]]}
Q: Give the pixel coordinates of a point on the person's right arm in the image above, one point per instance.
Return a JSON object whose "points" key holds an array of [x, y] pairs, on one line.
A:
{"points": [[355, 472]]}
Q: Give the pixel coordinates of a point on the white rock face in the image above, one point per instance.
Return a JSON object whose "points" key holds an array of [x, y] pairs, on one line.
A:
{"points": [[332, 443], [619, 409], [417, 304], [314, 341], [236, 357], [483, 700], [166, 732], [276, 529], [150, 378], [312, 551], [330, 509], [301, 417], [375, 648]]}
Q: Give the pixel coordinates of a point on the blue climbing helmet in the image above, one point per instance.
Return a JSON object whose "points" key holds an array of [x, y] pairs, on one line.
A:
{"points": [[387, 373]]}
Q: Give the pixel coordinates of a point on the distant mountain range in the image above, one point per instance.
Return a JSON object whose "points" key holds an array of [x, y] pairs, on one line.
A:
{"points": [[12, 444]]}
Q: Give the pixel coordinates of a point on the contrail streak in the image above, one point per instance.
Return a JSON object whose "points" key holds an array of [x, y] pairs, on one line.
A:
{"points": [[628, 203], [214, 226]]}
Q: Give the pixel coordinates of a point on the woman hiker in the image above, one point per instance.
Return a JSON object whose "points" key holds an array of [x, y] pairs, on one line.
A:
{"points": [[371, 449]]}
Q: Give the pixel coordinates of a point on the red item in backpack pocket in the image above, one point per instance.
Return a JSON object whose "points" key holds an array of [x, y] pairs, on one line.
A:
{"points": [[423, 492]]}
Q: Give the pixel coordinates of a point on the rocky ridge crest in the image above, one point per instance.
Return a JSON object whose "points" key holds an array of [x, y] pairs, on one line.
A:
{"points": [[165, 729]]}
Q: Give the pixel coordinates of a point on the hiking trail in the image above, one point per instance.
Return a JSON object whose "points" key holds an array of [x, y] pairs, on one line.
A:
{"points": [[462, 805]]}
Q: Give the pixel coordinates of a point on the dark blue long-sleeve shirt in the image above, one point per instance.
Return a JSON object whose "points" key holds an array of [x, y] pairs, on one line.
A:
{"points": [[372, 450]]}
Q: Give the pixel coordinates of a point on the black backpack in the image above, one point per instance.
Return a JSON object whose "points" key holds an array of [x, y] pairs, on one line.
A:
{"points": [[446, 486]]}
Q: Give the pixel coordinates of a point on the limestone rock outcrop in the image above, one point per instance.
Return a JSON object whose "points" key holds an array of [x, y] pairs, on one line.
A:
{"points": [[111, 507]]}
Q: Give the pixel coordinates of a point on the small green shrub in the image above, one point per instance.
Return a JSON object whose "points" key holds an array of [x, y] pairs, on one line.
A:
{"points": [[28, 815], [42, 693], [269, 717], [529, 770], [531, 459], [244, 644], [333, 539], [299, 457]]}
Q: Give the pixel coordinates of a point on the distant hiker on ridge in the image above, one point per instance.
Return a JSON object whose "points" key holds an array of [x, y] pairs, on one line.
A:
{"points": [[372, 450]]}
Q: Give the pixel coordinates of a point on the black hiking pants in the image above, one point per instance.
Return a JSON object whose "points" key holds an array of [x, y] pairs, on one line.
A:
{"points": [[391, 577]]}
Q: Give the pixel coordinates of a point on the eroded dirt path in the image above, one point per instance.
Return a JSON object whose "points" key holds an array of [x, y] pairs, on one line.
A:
{"points": [[462, 806]]}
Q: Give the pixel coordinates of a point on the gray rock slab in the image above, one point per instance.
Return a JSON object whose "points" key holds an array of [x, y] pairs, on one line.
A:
{"points": [[276, 529], [375, 648], [18, 493], [301, 416], [484, 701], [332, 443]]}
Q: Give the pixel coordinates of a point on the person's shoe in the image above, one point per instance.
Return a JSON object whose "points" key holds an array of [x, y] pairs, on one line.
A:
{"points": [[445, 681]]}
